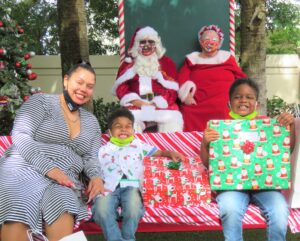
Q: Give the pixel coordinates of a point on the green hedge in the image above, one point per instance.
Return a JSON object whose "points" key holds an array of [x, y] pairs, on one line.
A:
{"points": [[103, 110], [277, 105]]}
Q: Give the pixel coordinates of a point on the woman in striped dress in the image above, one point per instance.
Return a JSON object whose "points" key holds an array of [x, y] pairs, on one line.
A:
{"points": [[54, 140]]}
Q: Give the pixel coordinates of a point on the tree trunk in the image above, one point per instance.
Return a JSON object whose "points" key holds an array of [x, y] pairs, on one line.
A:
{"points": [[253, 44], [73, 36], [72, 32]]}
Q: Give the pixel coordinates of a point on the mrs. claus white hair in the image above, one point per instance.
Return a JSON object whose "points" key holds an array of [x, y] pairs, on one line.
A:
{"points": [[151, 34], [214, 28]]}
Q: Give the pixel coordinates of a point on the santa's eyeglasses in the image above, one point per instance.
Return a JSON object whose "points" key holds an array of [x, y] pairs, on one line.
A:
{"points": [[150, 42]]}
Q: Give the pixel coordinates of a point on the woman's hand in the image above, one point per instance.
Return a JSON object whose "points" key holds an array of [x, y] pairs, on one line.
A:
{"points": [[95, 187], [60, 177], [189, 100]]}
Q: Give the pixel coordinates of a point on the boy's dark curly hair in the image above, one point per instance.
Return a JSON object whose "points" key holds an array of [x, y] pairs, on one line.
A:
{"points": [[244, 81], [121, 112]]}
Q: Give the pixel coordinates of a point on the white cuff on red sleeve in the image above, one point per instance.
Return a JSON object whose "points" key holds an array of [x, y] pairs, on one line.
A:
{"points": [[126, 99], [160, 102], [188, 87]]}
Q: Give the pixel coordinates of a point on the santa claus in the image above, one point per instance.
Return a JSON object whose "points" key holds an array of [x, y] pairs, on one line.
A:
{"points": [[146, 83]]}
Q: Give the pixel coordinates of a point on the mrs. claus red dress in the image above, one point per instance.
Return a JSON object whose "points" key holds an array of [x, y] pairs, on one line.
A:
{"points": [[209, 79]]}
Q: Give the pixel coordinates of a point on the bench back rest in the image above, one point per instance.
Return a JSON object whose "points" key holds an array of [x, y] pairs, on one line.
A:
{"points": [[5, 142], [188, 143]]}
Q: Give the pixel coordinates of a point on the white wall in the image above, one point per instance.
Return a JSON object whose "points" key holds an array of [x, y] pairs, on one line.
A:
{"points": [[282, 75], [49, 73]]}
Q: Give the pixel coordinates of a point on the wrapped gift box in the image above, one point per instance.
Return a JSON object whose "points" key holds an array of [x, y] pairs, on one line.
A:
{"points": [[187, 186], [250, 154]]}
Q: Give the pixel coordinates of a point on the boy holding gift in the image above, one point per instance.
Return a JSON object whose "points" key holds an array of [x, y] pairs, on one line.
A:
{"points": [[121, 163], [243, 96]]}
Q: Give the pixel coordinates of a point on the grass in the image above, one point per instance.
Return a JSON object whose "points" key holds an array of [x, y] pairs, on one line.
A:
{"points": [[249, 235]]}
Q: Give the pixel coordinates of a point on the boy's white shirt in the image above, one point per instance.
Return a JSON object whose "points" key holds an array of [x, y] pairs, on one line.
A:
{"points": [[116, 161]]}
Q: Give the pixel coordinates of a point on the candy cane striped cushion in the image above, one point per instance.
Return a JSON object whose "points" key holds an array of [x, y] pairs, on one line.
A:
{"points": [[188, 143], [5, 142], [294, 220]]}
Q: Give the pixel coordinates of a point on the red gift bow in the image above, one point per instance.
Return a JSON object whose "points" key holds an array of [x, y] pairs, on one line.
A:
{"points": [[248, 147]]}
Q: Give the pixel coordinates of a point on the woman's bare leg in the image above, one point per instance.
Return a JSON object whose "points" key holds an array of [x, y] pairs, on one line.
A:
{"points": [[62, 227], [14, 231]]}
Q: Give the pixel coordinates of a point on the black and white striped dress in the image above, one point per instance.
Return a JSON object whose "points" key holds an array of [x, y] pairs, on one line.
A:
{"points": [[41, 142]]}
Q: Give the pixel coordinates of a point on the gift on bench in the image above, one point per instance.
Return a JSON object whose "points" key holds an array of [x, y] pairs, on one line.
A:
{"points": [[175, 184]]}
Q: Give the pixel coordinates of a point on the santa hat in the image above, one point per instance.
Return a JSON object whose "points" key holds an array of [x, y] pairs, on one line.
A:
{"points": [[212, 28], [140, 34], [147, 32]]}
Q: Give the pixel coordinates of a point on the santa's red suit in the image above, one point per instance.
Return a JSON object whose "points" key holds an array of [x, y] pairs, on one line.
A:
{"points": [[209, 79], [160, 89]]}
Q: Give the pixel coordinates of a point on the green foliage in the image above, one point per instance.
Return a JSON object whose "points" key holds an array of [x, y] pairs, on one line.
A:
{"points": [[283, 41], [39, 18], [102, 17], [282, 27], [282, 14], [282, 31], [277, 105], [6, 122], [103, 110]]}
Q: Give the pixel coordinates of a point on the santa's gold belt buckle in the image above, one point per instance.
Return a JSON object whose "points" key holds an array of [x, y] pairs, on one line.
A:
{"points": [[148, 96]]}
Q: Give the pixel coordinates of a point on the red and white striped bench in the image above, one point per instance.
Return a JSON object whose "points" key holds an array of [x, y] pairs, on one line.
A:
{"points": [[168, 219]]}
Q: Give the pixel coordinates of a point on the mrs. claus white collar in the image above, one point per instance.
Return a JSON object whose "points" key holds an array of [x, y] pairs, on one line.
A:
{"points": [[221, 57]]}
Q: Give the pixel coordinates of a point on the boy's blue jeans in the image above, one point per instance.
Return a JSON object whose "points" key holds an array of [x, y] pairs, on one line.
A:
{"points": [[105, 213], [233, 205]]}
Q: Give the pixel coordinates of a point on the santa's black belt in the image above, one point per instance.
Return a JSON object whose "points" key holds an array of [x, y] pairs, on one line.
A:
{"points": [[149, 96]]}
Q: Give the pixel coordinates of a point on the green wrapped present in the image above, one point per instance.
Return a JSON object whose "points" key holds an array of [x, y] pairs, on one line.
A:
{"points": [[249, 155]]}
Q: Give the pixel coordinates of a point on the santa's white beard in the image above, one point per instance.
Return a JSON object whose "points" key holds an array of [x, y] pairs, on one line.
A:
{"points": [[146, 65]]}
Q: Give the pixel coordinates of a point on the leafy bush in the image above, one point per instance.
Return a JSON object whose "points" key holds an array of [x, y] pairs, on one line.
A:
{"points": [[6, 122], [102, 111], [277, 105]]}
